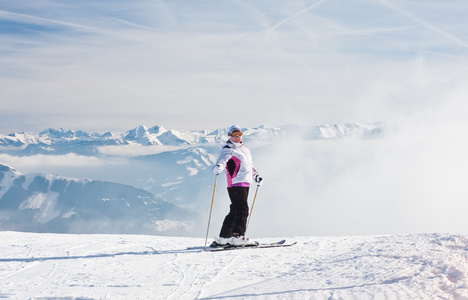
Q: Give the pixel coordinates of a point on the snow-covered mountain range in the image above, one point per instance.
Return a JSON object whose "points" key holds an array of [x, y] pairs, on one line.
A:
{"points": [[49, 203], [53, 141], [153, 176]]}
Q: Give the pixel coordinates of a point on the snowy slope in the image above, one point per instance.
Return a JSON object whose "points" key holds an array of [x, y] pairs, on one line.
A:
{"points": [[50, 266]]}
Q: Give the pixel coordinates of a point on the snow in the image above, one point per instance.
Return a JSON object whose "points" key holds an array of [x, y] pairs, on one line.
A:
{"points": [[7, 181], [45, 203], [69, 213], [44, 266]]}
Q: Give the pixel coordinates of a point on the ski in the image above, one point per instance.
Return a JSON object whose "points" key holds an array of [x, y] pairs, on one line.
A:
{"points": [[281, 243]]}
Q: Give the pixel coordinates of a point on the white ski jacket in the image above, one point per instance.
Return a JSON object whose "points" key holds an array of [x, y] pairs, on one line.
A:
{"points": [[237, 160]]}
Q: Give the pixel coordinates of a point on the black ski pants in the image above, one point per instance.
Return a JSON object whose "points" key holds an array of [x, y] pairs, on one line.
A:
{"points": [[235, 222]]}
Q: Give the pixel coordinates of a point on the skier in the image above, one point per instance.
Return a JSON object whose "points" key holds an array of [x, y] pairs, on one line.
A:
{"points": [[236, 158]]}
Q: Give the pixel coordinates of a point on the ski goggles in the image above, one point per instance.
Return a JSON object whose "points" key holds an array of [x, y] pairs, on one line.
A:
{"points": [[236, 134]]}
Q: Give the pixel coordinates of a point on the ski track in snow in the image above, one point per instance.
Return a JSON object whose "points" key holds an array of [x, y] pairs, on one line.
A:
{"points": [[54, 266]]}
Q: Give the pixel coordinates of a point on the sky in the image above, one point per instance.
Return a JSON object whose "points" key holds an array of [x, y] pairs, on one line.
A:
{"points": [[112, 65]]}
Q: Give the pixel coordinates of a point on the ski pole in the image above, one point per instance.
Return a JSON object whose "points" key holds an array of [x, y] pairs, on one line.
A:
{"points": [[211, 209], [251, 209]]}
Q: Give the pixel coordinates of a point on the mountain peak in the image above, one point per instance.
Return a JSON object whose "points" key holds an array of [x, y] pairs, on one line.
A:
{"points": [[158, 130], [141, 135]]}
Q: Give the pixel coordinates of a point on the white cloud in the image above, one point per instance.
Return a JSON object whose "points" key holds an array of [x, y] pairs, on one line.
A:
{"points": [[133, 150], [40, 161], [411, 180]]}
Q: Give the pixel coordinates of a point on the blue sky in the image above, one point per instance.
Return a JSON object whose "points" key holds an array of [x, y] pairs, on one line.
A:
{"points": [[112, 65]]}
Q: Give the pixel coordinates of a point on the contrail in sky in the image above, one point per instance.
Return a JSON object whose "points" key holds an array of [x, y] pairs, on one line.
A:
{"points": [[274, 27], [11, 15], [424, 23]]}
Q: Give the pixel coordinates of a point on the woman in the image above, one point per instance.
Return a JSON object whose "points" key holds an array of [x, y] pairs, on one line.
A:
{"points": [[236, 159]]}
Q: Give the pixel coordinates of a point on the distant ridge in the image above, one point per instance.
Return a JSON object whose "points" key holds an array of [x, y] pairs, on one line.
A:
{"points": [[49, 203], [59, 141]]}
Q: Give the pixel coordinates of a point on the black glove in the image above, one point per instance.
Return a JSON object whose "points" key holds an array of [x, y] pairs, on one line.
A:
{"points": [[258, 180]]}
